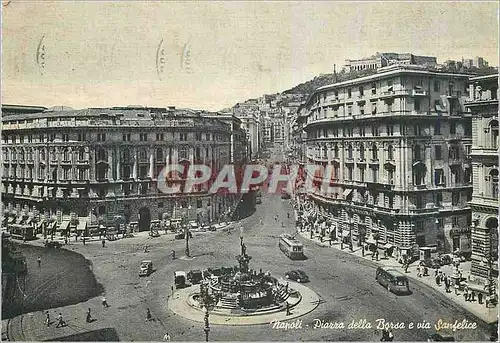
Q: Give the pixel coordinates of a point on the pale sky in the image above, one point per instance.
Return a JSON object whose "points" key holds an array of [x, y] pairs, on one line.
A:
{"points": [[100, 54]]}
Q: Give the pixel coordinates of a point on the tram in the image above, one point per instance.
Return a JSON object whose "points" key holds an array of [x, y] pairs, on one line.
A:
{"points": [[291, 247]]}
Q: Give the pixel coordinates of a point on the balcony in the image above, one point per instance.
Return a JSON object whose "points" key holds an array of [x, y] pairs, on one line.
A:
{"points": [[361, 161], [423, 210], [452, 94], [349, 160], [374, 161], [454, 161]]}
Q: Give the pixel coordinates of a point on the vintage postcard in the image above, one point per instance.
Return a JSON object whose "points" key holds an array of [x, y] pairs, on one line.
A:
{"points": [[249, 171]]}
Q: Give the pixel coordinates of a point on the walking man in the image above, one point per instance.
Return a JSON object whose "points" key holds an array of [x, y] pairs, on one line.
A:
{"points": [[104, 302], [148, 315], [47, 318], [60, 321], [287, 309], [89, 317], [39, 260], [166, 337], [103, 243], [480, 297]]}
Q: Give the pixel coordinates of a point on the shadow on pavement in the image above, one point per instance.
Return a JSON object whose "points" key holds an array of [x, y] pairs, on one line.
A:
{"points": [[107, 334]]}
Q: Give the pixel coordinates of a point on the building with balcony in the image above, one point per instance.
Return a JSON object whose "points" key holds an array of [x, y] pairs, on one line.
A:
{"points": [[95, 164], [483, 105], [396, 143], [249, 114]]}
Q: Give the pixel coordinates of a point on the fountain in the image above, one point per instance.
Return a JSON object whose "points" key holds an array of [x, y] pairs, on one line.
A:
{"points": [[240, 290]]}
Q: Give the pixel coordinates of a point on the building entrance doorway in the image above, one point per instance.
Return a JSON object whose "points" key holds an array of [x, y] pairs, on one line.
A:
{"points": [[144, 219]]}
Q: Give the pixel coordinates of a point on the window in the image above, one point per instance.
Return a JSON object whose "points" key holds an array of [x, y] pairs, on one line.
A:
{"points": [[375, 131], [336, 95], [336, 151], [417, 104], [453, 128], [159, 136], [183, 153], [375, 176], [349, 92], [143, 137], [349, 173], [198, 136], [390, 176], [183, 136], [362, 131], [436, 86], [494, 182], [159, 155], [361, 109], [455, 198], [390, 130], [361, 91], [350, 132], [437, 152], [419, 204], [126, 137], [374, 152], [390, 152], [361, 152], [439, 199], [374, 108], [143, 156], [438, 177], [493, 134], [362, 174], [374, 88], [101, 154], [349, 151], [81, 137], [65, 137], [349, 110], [101, 137], [454, 153], [417, 152]]}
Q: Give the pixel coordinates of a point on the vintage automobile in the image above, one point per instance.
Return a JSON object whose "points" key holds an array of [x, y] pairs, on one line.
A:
{"points": [[195, 276], [297, 275], [52, 244], [146, 268], [180, 279]]}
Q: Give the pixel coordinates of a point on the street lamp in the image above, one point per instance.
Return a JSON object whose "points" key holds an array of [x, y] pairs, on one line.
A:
{"points": [[187, 232], [351, 224]]}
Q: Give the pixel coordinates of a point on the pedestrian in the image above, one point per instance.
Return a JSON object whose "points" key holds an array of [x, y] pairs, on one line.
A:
{"points": [[466, 294], [288, 309], [66, 240], [438, 280], [148, 315], [39, 260], [166, 337], [436, 271], [418, 271], [426, 271], [89, 317], [104, 301], [83, 240], [376, 252], [47, 319], [480, 297], [60, 321], [390, 336], [457, 286], [406, 267], [385, 335], [103, 243], [473, 296]]}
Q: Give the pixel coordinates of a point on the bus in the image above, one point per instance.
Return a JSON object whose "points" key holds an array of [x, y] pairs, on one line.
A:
{"points": [[393, 280], [291, 247]]}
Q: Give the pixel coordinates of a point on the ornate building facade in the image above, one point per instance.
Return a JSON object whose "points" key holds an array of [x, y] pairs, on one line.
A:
{"points": [[483, 104], [397, 142], [95, 164]]}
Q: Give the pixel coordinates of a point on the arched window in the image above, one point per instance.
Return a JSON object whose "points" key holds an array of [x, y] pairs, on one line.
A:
{"points": [[5, 155], [374, 151], [125, 156], [42, 154], [143, 155], [159, 154], [66, 154], [336, 151], [30, 154], [81, 154], [362, 152], [101, 154], [390, 152], [21, 155], [349, 151], [494, 134], [14, 154], [53, 154], [494, 182], [182, 153]]}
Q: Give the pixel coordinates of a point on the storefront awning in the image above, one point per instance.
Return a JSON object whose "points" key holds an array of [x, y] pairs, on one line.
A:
{"points": [[64, 225], [19, 220], [345, 233], [11, 219], [81, 226], [346, 192], [370, 241], [387, 246]]}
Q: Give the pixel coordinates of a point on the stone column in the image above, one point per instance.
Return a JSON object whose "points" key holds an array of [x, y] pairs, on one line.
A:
{"points": [[110, 164], [151, 163], [428, 166], [134, 171], [118, 163]]}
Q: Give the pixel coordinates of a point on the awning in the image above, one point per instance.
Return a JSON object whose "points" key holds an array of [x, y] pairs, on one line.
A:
{"points": [[11, 219], [81, 226], [387, 246], [347, 192], [370, 241], [345, 233], [28, 221], [64, 225]]}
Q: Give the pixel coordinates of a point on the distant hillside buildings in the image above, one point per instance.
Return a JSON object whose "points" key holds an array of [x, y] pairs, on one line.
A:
{"points": [[380, 60]]}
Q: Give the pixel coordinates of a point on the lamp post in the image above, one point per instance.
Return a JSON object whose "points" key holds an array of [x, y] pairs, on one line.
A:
{"points": [[187, 232], [351, 224]]}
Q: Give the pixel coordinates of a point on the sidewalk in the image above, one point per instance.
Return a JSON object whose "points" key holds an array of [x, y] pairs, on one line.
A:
{"points": [[489, 315]]}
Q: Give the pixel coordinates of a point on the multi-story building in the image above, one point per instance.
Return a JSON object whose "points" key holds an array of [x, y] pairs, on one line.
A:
{"points": [[396, 142], [249, 114], [99, 163], [385, 59], [483, 105]]}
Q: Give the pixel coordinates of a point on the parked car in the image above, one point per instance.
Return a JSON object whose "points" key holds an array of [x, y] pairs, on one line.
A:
{"points": [[146, 268], [297, 275], [154, 234], [464, 255], [438, 338], [432, 263], [52, 244], [195, 276]]}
